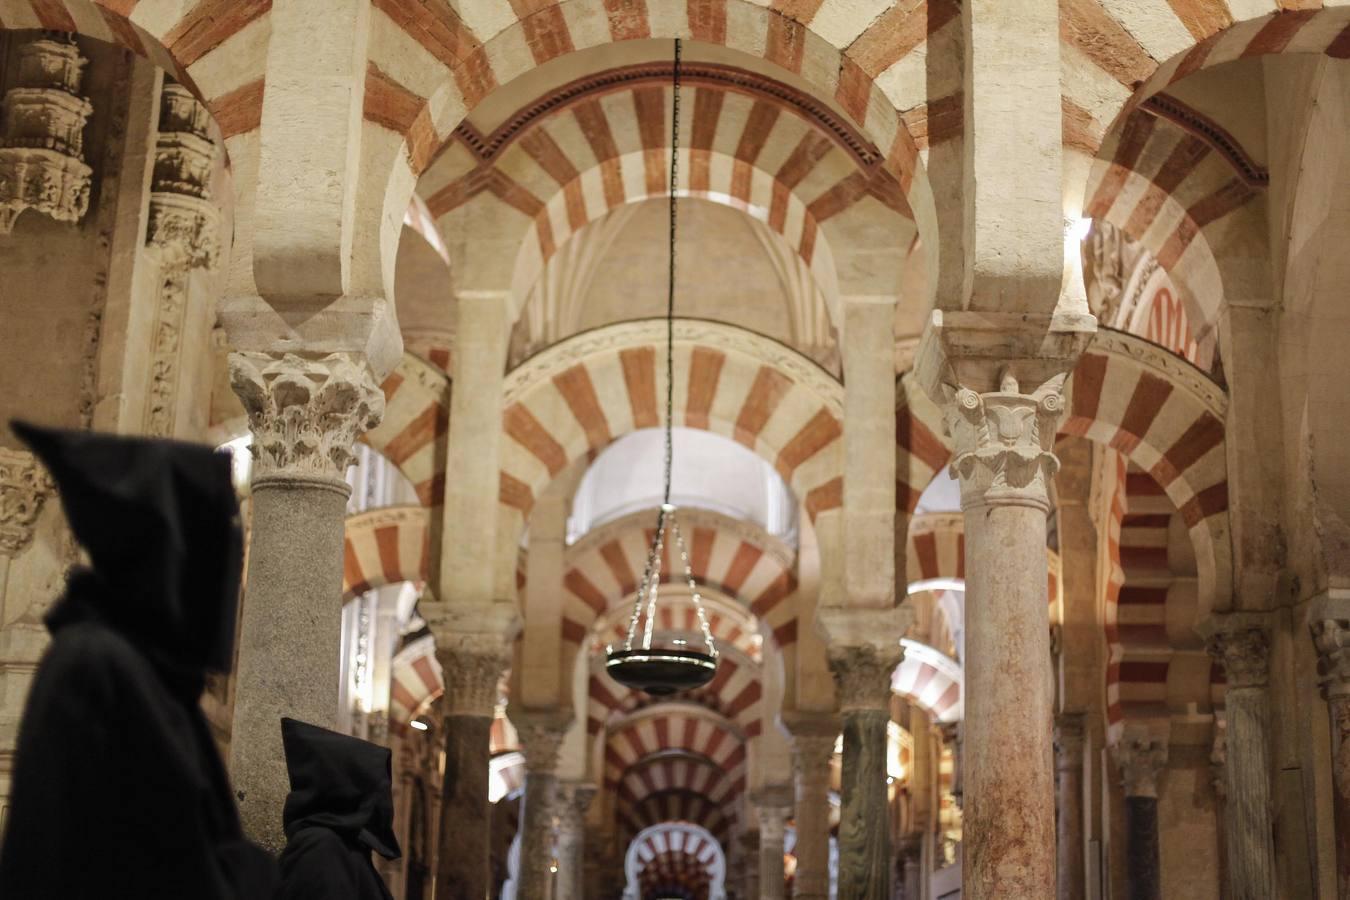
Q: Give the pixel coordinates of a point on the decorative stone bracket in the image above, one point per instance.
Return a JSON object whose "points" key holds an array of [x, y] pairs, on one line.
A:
{"points": [[24, 487], [42, 163]]}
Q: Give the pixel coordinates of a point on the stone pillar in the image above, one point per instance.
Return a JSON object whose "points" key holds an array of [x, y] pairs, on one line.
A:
{"points": [[1218, 771], [1072, 878], [1332, 639], [574, 798], [864, 649], [774, 805], [541, 736], [813, 739], [749, 865], [911, 856], [1142, 760], [1002, 456], [305, 415], [1241, 642], [473, 665]]}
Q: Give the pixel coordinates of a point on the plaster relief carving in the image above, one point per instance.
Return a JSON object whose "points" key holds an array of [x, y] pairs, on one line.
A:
{"points": [[305, 414], [42, 163], [24, 487]]}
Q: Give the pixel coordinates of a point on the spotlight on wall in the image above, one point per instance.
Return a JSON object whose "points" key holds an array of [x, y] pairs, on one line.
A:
{"points": [[1079, 227], [419, 724]]}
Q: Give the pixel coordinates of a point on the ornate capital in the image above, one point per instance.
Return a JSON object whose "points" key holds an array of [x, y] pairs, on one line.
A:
{"points": [[184, 223], [1331, 637], [1142, 760], [773, 803], [541, 735], [1241, 642], [185, 229], [305, 413], [24, 487], [862, 675], [1069, 737], [42, 148], [1003, 442], [813, 738]]}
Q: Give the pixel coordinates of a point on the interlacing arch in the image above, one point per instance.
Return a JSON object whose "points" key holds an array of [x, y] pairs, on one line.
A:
{"points": [[384, 546], [675, 859], [678, 786], [673, 725]]}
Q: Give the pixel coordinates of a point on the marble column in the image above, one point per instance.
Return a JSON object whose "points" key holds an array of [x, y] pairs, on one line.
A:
{"points": [[473, 665], [813, 739], [1218, 771], [749, 864], [541, 736], [773, 804], [1332, 640], [1241, 642], [1142, 760], [1002, 442], [1072, 878], [574, 798], [864, 649], [304, 414]]}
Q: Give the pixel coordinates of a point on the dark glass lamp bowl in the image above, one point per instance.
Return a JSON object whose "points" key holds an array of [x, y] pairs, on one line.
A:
{"points": [[661, 671]]}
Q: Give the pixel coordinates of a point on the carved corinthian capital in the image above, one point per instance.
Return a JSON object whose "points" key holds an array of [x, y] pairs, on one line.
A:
{"points": [[24, 487], [305, 414], [42, 148], [1142, 760], [541, 735], [1331, 637], [184, 223], [1003, 442], [1241, 642]]}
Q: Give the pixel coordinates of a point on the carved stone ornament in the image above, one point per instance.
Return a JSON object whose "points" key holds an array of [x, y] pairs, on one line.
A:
{"points": [[24, 487], [184, 223], [541, 735], [1142, 760], [305, 413], [1003, 442], [42, 163], [186, 230], [862, 675], [1242, 645], [1331, 637], [813, 737]]}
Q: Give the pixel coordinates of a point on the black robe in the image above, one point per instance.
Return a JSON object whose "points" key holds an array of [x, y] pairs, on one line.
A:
{"points": [[118, 788], [340, 809]]}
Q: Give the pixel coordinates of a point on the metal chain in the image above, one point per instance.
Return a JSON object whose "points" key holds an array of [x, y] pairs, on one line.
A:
{"points": [[670, 287]]}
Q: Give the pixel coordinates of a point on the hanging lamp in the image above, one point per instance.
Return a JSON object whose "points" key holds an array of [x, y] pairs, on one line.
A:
{"points": [[662, 665]]}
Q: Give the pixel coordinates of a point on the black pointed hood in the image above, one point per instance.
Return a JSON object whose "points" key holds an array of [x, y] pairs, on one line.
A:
{"points": [[160, 522], [341, 783]]}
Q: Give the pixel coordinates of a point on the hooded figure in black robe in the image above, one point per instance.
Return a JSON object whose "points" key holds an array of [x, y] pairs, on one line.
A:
{"points": [[341, 807], [118, 786]]}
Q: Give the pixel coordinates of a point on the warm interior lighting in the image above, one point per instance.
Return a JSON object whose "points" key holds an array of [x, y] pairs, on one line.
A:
{"points": [[419, 724]]}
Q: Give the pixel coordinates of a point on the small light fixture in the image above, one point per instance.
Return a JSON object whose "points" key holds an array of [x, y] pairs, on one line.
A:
{"points": [[665, 667], [419, 724]]}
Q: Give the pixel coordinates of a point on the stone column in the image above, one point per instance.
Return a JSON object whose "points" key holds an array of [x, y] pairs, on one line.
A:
{"points": [[473, 665], [541, 736], [305, 415], [1241, 642], [1218, 770], [813, 739], [574, 798], [749, 865], [864, 649], [774, 805], [1332, 639], [1072, 879], [1142, 760], [1002, 445]]}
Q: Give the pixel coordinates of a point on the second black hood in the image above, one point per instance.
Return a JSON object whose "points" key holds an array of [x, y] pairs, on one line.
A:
{"points": [[341, 783], [160, 522]]}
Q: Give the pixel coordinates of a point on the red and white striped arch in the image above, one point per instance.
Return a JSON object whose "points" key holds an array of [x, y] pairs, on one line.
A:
{"points": [[1167, 417], [1164, 322], [414, 431], [932, 679], [936, 551], [747, 141], [678, 786], [1170, 179], [384, 546], [733, 557], [922, 448], [736, 693], [673, 726], [416, 681], [675, 615], [676, 858], [579, 395]]}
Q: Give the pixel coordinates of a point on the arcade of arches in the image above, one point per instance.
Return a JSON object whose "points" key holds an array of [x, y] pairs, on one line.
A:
{"points": [[1010, 420]]}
